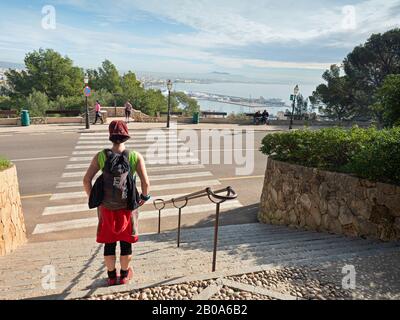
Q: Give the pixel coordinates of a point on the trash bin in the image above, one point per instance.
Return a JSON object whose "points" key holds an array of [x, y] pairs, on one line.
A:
{"points": [[25, 120], [196, 118]]}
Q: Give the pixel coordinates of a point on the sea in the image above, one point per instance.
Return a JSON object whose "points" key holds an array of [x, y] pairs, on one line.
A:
{"points": [[243, 90]]}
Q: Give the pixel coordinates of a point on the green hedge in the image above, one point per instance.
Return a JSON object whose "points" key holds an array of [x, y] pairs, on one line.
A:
{"points": [[4, 163], [367, 153]]}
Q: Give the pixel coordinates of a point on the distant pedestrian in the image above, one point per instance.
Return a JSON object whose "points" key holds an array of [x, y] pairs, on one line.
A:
{"points": [[128, 111], [265, 117], [115, 196], [257, 117], [97, 109]]}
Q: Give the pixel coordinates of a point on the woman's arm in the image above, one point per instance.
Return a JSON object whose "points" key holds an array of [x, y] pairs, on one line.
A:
{"points": [[90, 174], [144, 179]]}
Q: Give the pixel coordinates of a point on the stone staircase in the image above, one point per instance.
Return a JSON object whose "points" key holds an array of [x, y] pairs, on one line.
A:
{"points": [[78, 266]]}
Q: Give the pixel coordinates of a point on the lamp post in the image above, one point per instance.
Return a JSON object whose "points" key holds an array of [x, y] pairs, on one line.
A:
{"points": [[296, 92], [169, 87], [87, 104]]}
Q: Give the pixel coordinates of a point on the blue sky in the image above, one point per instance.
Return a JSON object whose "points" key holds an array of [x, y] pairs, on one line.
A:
{"points": [[262, 39]]}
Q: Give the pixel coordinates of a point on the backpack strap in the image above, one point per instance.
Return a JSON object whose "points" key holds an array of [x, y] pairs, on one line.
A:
{"points": [[131, 156], [102, 158]]}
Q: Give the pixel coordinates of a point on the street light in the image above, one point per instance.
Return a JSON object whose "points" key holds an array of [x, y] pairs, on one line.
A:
{"points": [[87, 104], [169, 87], [296, 92]]}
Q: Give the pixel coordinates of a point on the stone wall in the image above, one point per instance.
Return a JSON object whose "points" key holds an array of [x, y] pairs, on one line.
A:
{"points": [[12, 225], [318, 200]]}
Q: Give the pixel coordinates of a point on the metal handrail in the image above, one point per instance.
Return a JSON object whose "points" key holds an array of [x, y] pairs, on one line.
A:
{"points": [[214, 196]]}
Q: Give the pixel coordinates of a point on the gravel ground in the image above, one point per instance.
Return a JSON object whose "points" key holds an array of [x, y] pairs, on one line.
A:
{"points": [[227, 293], [298, 282], [378, 277]]}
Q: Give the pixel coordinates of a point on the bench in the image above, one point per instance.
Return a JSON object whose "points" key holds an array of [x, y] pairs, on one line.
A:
{"points": [[8, 113], [68, 113], [218, 114], [259, 120]]}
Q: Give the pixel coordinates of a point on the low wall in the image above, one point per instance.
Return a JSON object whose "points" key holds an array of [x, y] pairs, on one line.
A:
{"points": [[111, 111], [12, 225], [327, 201], [61, 120], [9, 122], [47, 120]]}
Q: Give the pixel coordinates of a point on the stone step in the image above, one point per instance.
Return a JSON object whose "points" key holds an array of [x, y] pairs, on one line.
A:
{"points": [[156, 258]]}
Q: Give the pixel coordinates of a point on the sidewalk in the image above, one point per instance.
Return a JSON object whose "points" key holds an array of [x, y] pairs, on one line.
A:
{"points": [[51, 128], [79, 269]]}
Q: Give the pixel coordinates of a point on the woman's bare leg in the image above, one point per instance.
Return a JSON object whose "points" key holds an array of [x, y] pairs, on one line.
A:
{"points": [[125, 261], [110, 262]]}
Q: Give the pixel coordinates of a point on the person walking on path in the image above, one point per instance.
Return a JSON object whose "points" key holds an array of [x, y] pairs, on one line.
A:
{"points": [[128, 111], [97, 109], [116, 197]]}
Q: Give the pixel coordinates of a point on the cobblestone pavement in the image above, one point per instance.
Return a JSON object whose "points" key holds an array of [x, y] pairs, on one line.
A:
{"points": [[78, 267], [318, 282]]}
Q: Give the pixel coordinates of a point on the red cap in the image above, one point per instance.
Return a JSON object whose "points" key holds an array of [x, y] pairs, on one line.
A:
{"points": [[119, 128]]}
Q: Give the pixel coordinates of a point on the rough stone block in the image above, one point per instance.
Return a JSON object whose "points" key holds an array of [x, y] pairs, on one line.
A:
{"points": [[12, 225]]}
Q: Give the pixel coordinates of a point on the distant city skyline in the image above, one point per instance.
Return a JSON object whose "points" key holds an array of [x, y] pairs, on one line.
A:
{"points": [[283, 41]]}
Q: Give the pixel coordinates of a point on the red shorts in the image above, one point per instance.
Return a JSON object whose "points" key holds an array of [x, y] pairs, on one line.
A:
{"points": [[116, 225]]}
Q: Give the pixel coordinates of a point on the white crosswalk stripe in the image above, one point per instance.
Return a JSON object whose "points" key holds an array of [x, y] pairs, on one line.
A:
{"points": [[154, 150], [174, 163], [152, 178], [149, 170], [141, 139], [83, 207], [73, 184], [92, 222], [135, 134], [188, 157], [170, 186], [131, 147]]}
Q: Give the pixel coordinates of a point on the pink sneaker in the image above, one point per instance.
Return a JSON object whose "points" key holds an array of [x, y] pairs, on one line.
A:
{"points": [[112, 278], [111, 282], [125, 280]]}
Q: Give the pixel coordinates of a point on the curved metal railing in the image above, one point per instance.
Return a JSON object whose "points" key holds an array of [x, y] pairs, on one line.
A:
{"points": [[217, 197]]}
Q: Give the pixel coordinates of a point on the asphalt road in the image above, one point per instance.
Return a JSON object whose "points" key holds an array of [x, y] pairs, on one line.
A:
{"points": [[41, 160]]}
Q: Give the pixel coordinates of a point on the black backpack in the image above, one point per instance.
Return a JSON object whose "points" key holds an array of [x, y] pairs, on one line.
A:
{"points": [[116, 185]]}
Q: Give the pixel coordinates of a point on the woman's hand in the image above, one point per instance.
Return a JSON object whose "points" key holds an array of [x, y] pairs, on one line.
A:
{"points": [[143, 199], [141, 203]]}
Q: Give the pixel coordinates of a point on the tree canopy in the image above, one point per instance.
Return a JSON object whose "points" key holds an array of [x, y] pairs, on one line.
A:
{"points": [[51, 81], [388, 100], [46, 72], [334, 98], [354, 95]]}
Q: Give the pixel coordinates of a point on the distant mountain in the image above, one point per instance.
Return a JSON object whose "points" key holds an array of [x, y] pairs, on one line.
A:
{"points": [[221, 73], [11, 65]]}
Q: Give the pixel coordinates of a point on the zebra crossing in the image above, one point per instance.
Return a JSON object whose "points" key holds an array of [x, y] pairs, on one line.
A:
{"points": [[68, 209]]}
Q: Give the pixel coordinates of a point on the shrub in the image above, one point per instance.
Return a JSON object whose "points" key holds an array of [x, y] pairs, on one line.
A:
{"points": [[367, 153], [37, 103], [4, 163]]}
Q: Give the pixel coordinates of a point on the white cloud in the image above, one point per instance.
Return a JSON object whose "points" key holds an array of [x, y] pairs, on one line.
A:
{"points": [[213, 26], [234, 22]]}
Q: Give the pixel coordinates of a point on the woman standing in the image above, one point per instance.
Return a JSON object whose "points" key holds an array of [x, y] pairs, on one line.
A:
{"points": [[117, 220], [128, 111]]}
